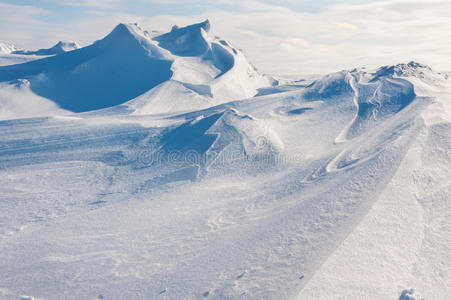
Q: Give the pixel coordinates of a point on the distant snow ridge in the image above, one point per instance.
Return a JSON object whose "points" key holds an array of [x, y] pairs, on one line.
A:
{"points": [[7, 48], [183, 70], [60, 47]]}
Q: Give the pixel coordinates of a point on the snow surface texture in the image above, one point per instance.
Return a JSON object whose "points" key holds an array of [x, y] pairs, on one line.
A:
{"points": [[12, 59], [332, 188]]}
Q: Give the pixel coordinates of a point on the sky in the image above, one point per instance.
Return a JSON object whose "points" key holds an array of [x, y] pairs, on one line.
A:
{"points": [[280, 37]]}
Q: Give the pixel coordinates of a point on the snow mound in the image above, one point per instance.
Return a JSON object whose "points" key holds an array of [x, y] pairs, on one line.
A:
{"points": [[423, 77], [206, 69], [60, 47], [377, 95], [208, 143], [187, 41], [331, 85], [242, 140], [18, 101]]}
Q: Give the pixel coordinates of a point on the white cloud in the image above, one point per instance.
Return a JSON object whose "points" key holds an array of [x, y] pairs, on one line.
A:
{"points": [[20, 24], [90, 3]]}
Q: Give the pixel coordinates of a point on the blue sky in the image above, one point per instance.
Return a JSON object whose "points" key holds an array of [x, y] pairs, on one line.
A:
{"points": [[279, 37]]}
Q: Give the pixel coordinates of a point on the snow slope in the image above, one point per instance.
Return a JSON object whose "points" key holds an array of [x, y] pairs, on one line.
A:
{"points": [[206, 68], [13, 59], [403, 244], [130, 62], [334, 189], [96, 76], [16, 95]]}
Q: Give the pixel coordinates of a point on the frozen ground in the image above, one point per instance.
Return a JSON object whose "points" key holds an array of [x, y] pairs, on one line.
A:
{"points": [[215, 182]]}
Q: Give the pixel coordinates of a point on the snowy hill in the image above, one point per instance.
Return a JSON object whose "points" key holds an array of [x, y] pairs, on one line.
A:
{"points": [[176, 171], [208, 69], [129, 62]]}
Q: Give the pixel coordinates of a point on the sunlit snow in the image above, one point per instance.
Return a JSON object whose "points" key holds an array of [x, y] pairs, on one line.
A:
{"points": [[165, 166]]}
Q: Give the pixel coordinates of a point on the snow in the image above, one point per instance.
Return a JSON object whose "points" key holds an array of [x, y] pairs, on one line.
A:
{"points": [[58, 48], [130, 62], [11, 55], [18, 101], [7, 58], [150, 166], [7, 48]]}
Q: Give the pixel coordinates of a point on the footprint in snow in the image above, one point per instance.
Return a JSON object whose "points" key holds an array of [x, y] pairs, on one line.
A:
{"points": [[408, 295], [163, 291], [241, 275]]}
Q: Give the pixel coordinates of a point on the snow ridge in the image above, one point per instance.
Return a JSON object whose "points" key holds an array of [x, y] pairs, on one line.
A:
{"points": [[58, 48], [7, 48]]}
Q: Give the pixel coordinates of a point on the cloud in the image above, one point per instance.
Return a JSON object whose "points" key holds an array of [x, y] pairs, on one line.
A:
{"points": [[19, 23], [91, 3]]}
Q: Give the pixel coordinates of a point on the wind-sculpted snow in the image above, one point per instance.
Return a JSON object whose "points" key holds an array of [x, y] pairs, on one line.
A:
{"points": [[377, 96], [186, 41], [334, 189], [377, 99], [16, 94], [193, 40], [331, 85]]}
